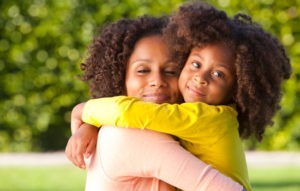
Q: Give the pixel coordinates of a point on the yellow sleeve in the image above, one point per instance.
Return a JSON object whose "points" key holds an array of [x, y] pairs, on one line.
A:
{"points": [[181, 120]]}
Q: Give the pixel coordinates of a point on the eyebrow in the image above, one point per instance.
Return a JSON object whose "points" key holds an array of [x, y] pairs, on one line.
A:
{"points": [[224, 66], [169, 61], [218, 64], [141, 60]]}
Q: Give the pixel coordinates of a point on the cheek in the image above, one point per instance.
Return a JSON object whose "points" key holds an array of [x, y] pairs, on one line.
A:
{"points": [[182, 80], [225, 93], [180, 85], [174, 88], [174, 84], [229, 90], [133, 87]]}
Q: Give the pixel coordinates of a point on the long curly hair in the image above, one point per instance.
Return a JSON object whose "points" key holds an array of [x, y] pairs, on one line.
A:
{"points": [[261, 61], [105, 67], [261, 66]]}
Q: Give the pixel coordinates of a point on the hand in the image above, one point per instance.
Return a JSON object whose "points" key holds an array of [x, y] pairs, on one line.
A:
{"points": [[82, 144]]}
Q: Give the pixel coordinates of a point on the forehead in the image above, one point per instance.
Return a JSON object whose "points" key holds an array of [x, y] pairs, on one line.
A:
{"points": [[149, 43], [218, 53], [151, 49]]}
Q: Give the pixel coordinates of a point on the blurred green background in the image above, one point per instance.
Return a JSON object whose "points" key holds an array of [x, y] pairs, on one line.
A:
{"points": [[43, 43]]}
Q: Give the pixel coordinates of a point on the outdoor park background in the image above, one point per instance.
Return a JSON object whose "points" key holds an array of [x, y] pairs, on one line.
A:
{"points": [[43, 42]]}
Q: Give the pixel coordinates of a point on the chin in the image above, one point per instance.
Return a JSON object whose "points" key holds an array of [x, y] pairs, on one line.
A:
{"points": [[191, 99], [163, 101]]}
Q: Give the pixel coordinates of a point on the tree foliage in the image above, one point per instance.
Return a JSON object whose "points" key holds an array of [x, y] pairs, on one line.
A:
{"points": [[43, 43]]}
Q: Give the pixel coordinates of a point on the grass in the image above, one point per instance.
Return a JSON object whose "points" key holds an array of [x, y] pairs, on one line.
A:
{"points": [[275, 178], [65, 178], [49, 178]]}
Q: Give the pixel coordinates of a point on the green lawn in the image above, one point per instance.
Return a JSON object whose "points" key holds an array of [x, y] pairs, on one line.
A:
{"points": [[275, 178], [64, 178], [50, 178]]}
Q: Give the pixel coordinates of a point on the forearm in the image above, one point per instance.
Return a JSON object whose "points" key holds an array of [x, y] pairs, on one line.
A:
{"points": [[76, 117], [151, 154], [183, 170], [131, 112], [178, 120]]}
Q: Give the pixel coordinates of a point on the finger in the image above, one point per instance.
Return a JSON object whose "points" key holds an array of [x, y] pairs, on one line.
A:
{"points": [[90, 148], [73, 152], [69, 152], [79, 155]]}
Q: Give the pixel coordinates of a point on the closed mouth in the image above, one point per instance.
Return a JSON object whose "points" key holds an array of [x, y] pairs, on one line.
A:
{"points": [[195, 91], [156, 97]]}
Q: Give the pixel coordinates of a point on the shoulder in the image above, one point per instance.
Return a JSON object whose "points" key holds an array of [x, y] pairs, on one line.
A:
{"points": [[214, 109]]}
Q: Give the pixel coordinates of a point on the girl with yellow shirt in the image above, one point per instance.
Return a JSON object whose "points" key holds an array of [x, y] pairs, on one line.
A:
{"points": [[227, 72]]}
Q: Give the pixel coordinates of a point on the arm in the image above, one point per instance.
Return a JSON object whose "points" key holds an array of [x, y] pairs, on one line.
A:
{"points": [[179, 120], [83, 141], [76, 120], [150, 154], [82, 144]]}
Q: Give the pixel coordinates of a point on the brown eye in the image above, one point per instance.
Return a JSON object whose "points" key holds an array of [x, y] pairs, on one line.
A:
{"points": [[218, 74], [196, 64]]}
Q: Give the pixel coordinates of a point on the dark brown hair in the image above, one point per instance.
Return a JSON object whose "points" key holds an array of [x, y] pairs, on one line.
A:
{"points": [[261, 61], [105, 67]]}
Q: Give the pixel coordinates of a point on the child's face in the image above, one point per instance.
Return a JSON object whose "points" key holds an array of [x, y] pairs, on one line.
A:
{"points": [[150, 76], [208, 75]]}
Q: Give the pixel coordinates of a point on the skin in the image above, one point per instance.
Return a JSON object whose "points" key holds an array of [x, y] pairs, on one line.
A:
{"points": [[208, 75], [150, 76]]}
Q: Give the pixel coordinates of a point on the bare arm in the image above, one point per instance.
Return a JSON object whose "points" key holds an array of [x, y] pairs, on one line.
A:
{"points": [[76, 117]]}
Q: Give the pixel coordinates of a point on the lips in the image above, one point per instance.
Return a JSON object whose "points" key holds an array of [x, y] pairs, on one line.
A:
{"points": [[195, 91], [156, 97]]}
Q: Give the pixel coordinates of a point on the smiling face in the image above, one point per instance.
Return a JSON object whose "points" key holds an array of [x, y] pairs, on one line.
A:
{"points": [[208, 75], [150, 75]]}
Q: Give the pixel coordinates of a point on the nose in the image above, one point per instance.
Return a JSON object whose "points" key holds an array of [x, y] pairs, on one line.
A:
{"points": [[200, 79], [157, 80]]}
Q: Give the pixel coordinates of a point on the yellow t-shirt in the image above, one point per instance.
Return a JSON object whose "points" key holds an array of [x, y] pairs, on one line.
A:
{"points": [[209, 132]]}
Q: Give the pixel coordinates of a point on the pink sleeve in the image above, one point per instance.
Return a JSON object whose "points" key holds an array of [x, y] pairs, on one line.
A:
{"points": [[133, 155]]}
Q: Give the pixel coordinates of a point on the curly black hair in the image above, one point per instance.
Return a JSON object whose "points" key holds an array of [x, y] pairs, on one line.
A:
{"points": [[105, 67], [261, 61]]}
